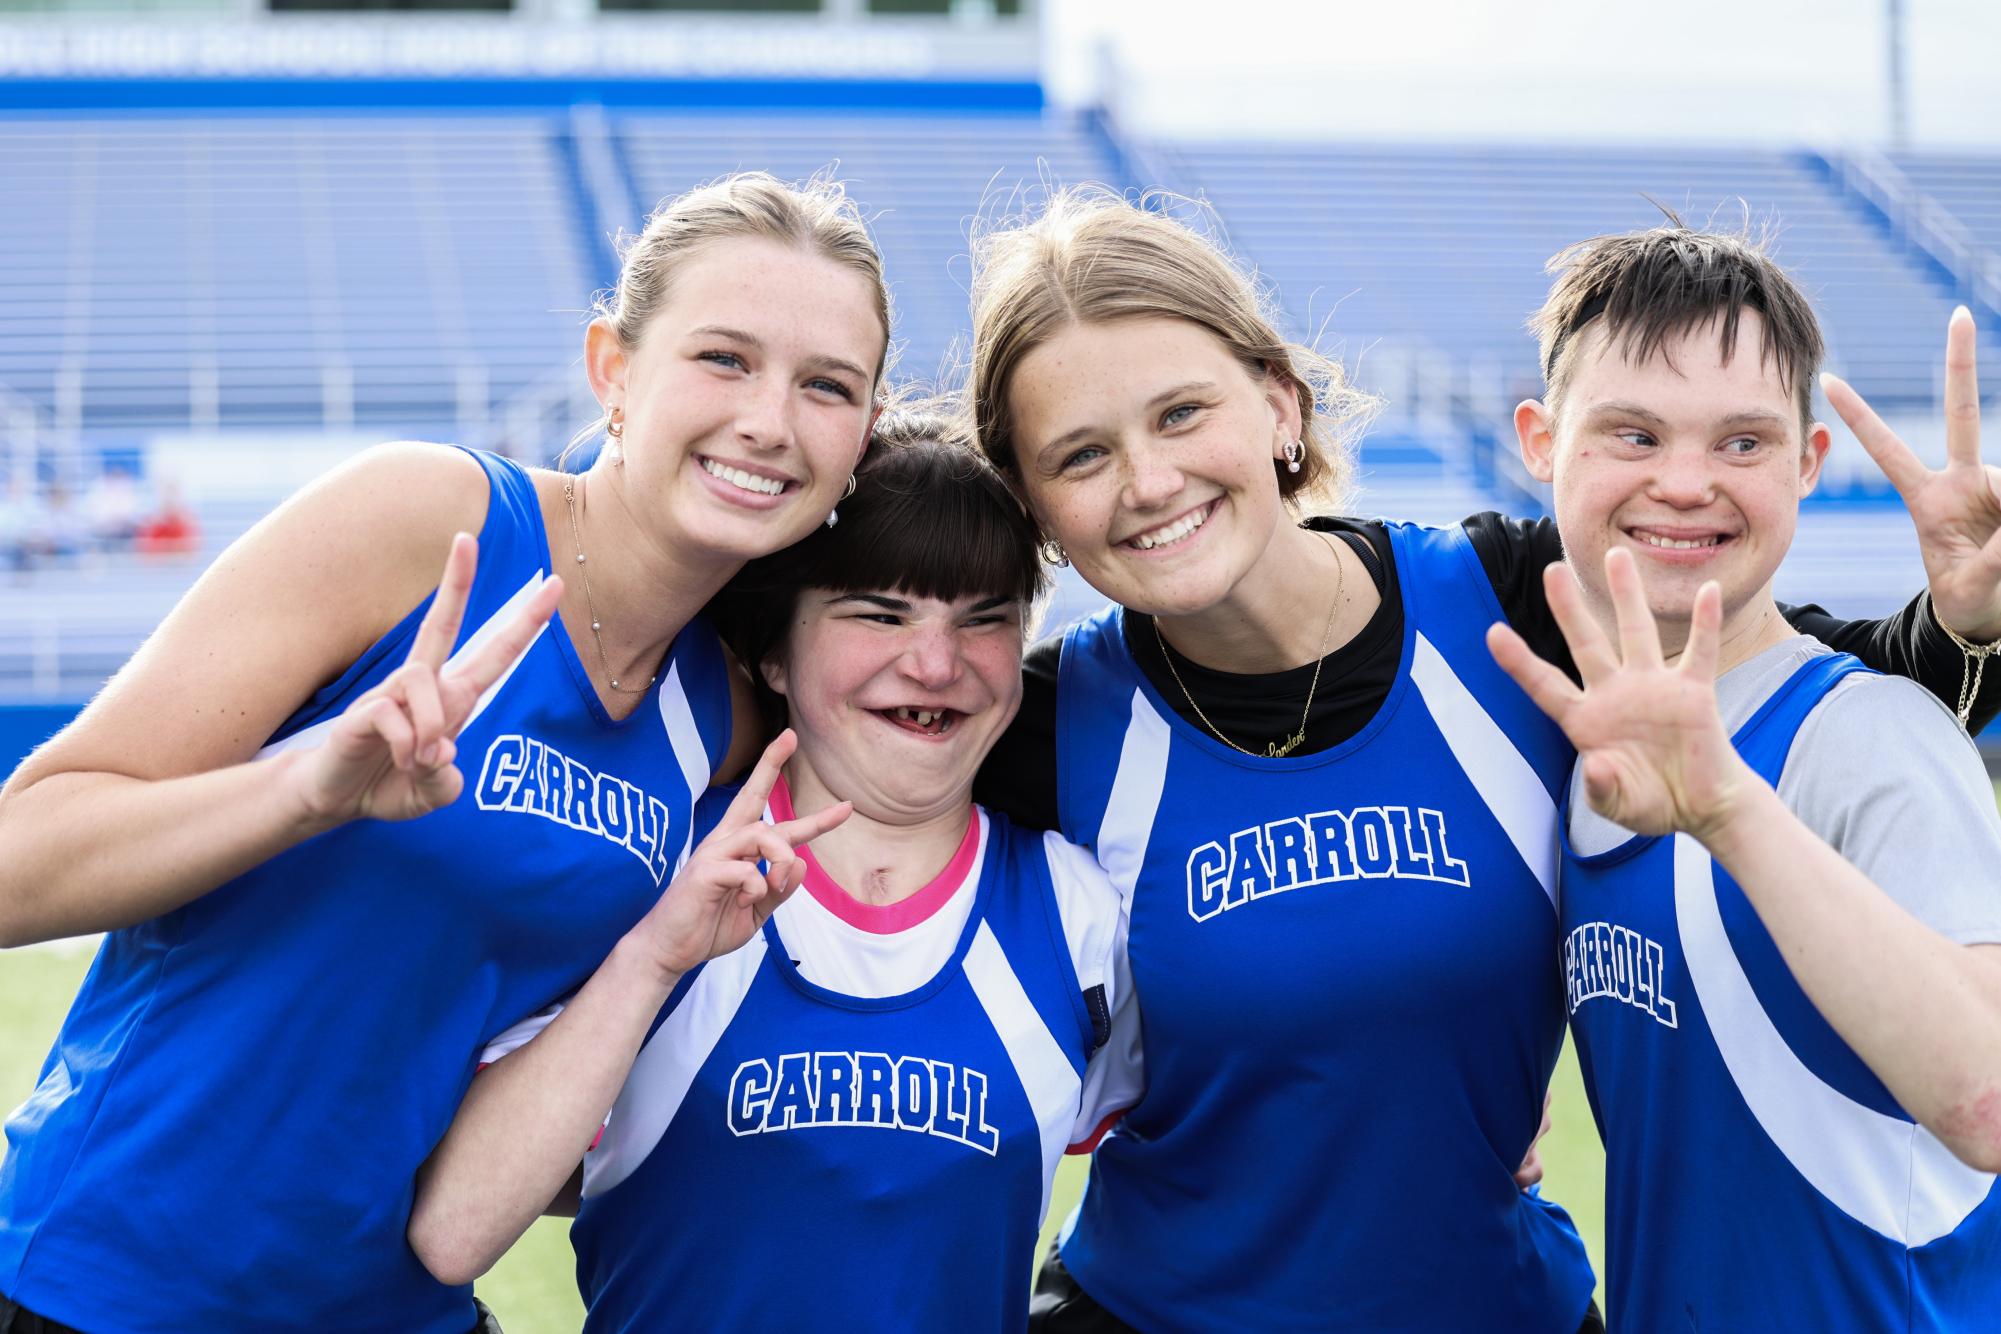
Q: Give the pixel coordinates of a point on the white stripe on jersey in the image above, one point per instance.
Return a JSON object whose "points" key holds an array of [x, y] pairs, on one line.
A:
{"points": [[314, 735], [1889, 1175], [1045, 1072], [1135, 798], [1094, 926], [686, 739], [1506, 781], [667, 1065]]}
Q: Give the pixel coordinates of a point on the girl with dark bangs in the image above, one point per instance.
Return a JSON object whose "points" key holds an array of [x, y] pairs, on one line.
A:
{"points": [[758, 1050]]}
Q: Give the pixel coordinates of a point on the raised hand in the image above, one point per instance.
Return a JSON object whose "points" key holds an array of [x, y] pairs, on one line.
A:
{"points": [[720, 898], [1956, 509], [390, 755], [1654, 755]]}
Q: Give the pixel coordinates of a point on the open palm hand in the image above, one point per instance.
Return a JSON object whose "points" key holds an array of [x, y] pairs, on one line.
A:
{"points": [[1654, 756]]}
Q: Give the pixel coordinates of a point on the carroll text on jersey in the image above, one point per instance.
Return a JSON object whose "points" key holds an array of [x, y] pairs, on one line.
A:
{"points": [[862, 1088], [1324, 848], [523, 774]]}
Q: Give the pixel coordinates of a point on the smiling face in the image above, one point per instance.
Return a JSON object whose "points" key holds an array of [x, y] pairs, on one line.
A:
{"points": [[1146, 450], [1690, 460], [897, 699], [747, 400]]}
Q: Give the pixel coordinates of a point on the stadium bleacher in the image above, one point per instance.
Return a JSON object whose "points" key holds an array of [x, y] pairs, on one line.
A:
{"points": [[1965, 185], [233, 272], [1446, 245], [922, 183], [378, 274]]}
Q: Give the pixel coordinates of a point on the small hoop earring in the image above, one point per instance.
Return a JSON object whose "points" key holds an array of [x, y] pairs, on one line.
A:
{"points": [[1294, 452], [1054, 554], [851, 487], [615, 425]]}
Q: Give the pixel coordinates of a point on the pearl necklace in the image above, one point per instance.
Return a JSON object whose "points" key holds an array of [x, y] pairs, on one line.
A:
{"points": [[590, 604]]}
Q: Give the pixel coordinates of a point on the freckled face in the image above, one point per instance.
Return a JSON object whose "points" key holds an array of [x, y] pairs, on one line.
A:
{"points": [[897, 699], [748, 400], [1146, 449], [1691, 462]]}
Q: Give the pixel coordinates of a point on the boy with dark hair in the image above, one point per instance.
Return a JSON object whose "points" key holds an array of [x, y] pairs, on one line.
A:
{"points": [[1782, 930]]}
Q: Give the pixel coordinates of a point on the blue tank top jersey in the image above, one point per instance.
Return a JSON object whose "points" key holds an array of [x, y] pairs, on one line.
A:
{"points": [[1344, 964], [789, 1156], [213, 1144], [1757, 1174]]}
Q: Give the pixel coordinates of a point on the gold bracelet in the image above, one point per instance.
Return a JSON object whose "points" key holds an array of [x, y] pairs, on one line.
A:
{"points": [[1975, 664]]}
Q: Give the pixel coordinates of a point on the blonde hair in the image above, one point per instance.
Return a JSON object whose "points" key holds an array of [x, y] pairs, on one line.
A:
{"points": [[816, 215], [1091, 255]]}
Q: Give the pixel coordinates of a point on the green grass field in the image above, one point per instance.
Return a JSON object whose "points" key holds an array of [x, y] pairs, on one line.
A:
{"points": [[533, 1289]]}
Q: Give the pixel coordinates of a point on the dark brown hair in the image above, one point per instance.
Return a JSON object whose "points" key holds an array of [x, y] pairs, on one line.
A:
{"points": [[929, 517], [1649, 286]]}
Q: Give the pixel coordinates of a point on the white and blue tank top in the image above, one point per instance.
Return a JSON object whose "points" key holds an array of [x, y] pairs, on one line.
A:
{"points": [[852, 1122], [217, 1142], [1757, 1174], [1345, 968]]}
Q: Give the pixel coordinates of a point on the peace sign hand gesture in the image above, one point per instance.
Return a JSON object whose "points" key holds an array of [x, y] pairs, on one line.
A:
{"points": [[720, 899], [389, 756], [1654, 755], [1957, 509]]}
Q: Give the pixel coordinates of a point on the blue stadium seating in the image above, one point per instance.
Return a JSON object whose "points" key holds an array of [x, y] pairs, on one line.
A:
{"points": [[382, 273], [282, 271], [1967, 185], [1445, 246], [923, 183]]}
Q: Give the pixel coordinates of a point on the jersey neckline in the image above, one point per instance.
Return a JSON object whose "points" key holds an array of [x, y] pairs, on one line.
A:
{"points": [[1363, 735], [881, 919], [980, 841], [566, 647]]}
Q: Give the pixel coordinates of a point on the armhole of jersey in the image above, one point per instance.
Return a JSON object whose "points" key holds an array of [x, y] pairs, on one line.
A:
{"points": [[1831, 671], [1483, 583], [1054, 849], [332, 698], [705, 654], [1065, 705]]}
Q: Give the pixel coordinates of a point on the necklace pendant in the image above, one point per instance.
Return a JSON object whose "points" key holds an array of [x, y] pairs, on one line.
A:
{"points": [[1279, 750]]}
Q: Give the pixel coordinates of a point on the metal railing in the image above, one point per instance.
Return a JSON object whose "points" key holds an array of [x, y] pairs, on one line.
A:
{"points": [[1922, 221]]}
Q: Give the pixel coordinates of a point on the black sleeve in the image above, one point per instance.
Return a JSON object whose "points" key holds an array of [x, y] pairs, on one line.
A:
{"points": [[1514, 553], [1018, 778], [1910, 644]]}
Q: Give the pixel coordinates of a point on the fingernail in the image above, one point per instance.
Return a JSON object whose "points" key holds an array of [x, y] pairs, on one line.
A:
{"points": [[430, 754], [1961, 312]]}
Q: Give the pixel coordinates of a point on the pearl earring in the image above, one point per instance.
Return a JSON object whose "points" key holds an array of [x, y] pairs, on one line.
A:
{"points": [[834, 515]]}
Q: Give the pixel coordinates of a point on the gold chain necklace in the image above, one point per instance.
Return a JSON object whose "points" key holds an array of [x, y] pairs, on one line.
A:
{"points": [[1275, 749], [590, 604]]}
